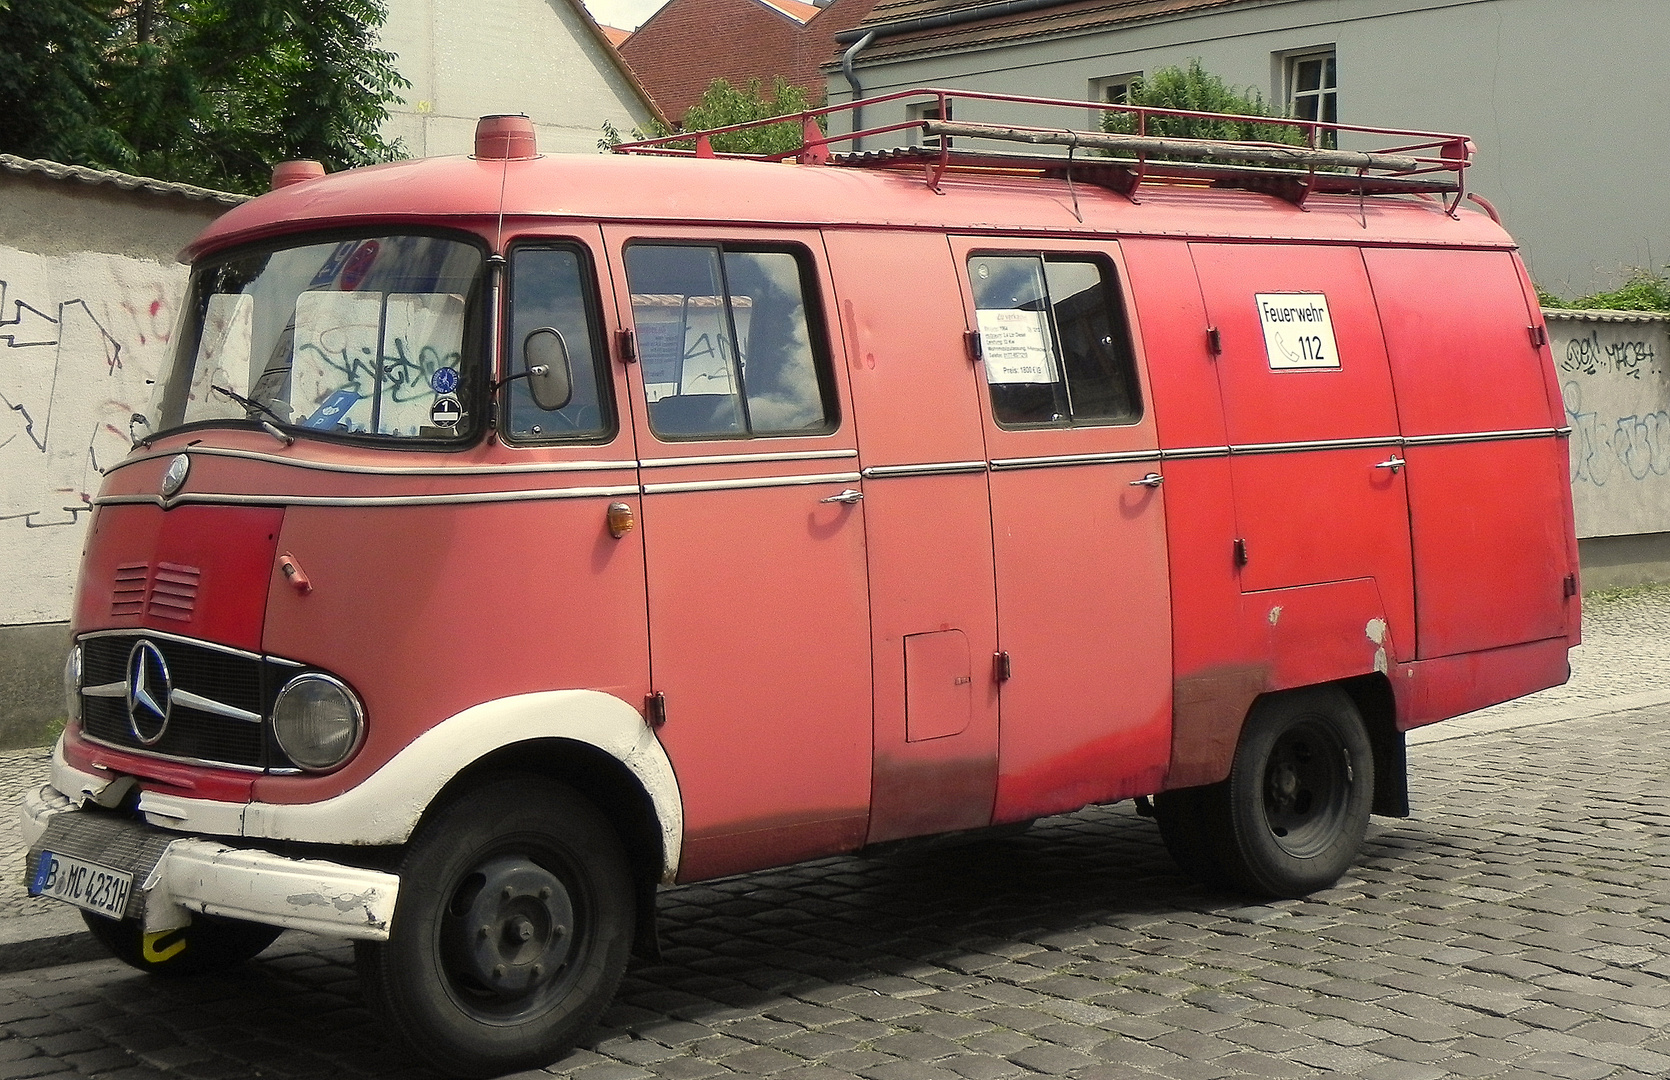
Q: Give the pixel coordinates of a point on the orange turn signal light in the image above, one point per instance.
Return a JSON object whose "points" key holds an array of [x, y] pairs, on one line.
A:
{"points": [[621, 520]]}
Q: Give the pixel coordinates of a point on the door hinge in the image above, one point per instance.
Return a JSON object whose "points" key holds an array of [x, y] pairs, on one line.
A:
{"points": [[626, 346], [1002, 669], [1571, 585], [1539, 337], [1214, 341], [1240, 552], [971, 342], [655, 709]]}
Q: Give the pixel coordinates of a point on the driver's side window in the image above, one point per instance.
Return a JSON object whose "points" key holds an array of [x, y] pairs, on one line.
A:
{"points": [[552, 287]]}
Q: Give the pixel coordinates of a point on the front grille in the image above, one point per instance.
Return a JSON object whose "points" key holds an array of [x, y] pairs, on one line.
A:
{"points": [[226, 678]]}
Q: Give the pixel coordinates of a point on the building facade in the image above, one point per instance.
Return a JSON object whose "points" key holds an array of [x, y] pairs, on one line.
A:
{"points": [[1562, 100]]}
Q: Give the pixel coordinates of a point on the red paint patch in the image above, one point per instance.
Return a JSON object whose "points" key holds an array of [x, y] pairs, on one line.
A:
{"points": [[156, 306]]}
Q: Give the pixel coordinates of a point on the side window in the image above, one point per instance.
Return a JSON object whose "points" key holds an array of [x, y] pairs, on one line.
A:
{"points": [[726, 342], [1054, 341], [550, 287]]}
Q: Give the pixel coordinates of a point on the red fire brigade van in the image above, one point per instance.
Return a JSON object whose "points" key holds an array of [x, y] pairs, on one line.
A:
{"points": [[511, 535]]}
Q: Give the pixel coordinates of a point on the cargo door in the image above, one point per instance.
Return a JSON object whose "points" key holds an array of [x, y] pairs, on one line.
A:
{"points": [[1489, 489], [753, 541], [928, 529], [1312, 426], [1078, 525]]}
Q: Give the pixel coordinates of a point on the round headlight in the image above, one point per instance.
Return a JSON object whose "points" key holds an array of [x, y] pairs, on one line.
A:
{"points": [[318, 721], [72, 684]]}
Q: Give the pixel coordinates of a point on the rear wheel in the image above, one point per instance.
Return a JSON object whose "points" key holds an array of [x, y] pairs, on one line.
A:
{"points": [[511, 932], [208, 944], [1299, 793]]}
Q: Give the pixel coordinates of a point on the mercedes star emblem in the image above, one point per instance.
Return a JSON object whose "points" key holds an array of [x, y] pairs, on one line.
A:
{"points": [[175, 478], [150, 693]]}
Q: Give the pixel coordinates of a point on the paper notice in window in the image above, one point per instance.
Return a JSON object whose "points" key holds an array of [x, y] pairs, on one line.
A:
{"points": [[1015, 348]]}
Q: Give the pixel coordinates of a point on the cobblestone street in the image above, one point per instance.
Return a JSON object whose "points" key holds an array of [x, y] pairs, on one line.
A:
{"points": [[1517, 925]]}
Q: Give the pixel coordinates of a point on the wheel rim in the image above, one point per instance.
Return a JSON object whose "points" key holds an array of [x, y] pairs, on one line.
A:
{"points": [[1307, 789], [510, 939]]}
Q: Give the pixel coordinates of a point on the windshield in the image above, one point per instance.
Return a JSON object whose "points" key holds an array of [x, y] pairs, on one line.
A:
{"points": [[373, 336]]}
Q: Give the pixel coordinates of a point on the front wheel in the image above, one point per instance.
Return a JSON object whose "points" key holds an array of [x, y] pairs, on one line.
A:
{"points": [[511, 932]]}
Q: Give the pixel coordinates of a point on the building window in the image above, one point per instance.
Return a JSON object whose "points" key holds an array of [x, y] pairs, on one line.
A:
{"points": [[1113, 90], [929, 111], [1313, 86]]}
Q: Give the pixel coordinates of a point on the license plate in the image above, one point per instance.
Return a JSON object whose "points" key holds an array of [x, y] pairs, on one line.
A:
{"points": [[84, 884]]}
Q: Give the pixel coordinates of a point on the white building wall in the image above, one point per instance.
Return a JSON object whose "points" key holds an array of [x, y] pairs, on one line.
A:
{"points": [[1564, 100], [471, 58]]}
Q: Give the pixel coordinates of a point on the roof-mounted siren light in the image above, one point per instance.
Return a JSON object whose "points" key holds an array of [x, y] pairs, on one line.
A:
{"points": [[286, 173], [505, 138]]}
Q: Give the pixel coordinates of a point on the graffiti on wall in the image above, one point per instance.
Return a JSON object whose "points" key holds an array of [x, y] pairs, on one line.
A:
{"points": [[1616, 386], [81, 338]]}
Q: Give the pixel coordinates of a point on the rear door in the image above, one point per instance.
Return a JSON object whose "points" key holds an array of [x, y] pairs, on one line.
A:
{"points": [[1489, 489], [758, 601]]}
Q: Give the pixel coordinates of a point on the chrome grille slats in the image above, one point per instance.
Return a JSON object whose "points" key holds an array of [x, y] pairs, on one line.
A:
{"points": [[238, 680]]}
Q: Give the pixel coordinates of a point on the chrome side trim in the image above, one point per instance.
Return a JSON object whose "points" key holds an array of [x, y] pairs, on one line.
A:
{"points": [[109, 689], [938, 468], [139, 632], [748, 459], [751, 482], [384, 470], [1485, 436], [1192, 453], [1318, 444], [1123, 457], [218, 499]]}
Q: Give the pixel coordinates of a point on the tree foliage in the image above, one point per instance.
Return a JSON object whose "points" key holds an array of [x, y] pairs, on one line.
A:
{"points": [[1195, 89], [723, 104], [209, 92]]}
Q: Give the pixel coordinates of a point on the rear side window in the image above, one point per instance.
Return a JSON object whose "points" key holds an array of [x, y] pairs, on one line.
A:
{"points": [[728, 345], [1053, 338]]}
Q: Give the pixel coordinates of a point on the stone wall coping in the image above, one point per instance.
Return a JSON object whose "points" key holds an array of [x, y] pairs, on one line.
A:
{"points": [[54, 170]]}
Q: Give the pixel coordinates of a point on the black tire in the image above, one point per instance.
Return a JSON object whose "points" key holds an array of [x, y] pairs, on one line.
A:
{"points": [[208, 944], [1297, 800], [511, 931]]}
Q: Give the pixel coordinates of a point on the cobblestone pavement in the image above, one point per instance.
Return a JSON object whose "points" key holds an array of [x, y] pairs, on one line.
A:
{"points": [[1516, 926]]}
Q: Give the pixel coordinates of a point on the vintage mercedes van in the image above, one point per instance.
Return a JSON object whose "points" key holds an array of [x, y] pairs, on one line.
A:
{"points": [[513, 534]]}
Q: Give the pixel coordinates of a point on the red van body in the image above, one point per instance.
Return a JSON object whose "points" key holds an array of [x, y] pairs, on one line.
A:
{"points": [[1065, 494]]}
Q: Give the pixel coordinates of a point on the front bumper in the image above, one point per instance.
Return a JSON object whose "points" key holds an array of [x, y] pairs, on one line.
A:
{"points": [[175, 875]]}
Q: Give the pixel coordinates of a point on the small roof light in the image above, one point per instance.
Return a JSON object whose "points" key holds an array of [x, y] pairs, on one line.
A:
{"points": [[286, 173], [506, 137]]}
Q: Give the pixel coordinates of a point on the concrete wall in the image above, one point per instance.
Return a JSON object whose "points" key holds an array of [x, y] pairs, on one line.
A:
{"points": [[470, 58], [1615, 378], [89, 292], [1563, 99]]}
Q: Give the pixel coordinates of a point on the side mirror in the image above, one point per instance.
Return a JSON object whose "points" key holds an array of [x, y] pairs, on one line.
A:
{"points": [[550, 375]]}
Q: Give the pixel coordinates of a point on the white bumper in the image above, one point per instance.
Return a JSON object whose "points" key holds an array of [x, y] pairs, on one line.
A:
{"points": [[175, 876]]}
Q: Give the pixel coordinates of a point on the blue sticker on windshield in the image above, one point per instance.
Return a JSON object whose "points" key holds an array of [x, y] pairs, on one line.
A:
{"points": [[332, 412], [444, 381]]}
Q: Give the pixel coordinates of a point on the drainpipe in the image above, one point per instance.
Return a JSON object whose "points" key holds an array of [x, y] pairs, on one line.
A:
{"points": [[861, 38], [852, 80]]}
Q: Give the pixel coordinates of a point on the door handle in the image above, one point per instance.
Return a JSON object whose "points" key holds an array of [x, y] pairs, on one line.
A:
{"points": [[845, 498], [1393, 463], [1152, 480]]}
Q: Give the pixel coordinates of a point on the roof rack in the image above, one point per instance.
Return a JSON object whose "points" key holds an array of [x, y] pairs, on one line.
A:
{"points": [[1420, 162]]}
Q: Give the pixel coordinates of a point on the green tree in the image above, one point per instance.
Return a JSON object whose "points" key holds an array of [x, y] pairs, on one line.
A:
{"points": [[1195, 89], [214, 92], [723, 104], [50, 58]]}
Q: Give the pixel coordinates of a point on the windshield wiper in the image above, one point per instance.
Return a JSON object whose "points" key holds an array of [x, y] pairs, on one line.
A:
{"points": [[251, 406]]}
